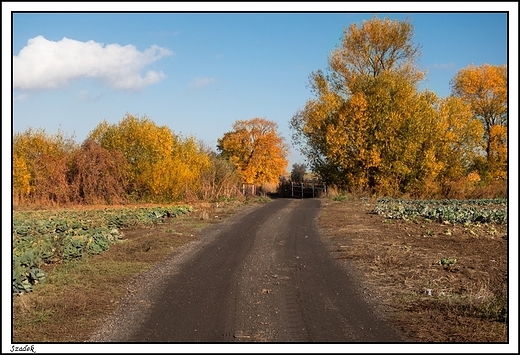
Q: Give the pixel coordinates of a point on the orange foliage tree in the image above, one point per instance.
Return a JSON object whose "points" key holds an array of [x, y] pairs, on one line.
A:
{"points": [[257, 150], [132, 161], [370, 128], [40, 165], [458, 141], [484, 89], [364, 129]]}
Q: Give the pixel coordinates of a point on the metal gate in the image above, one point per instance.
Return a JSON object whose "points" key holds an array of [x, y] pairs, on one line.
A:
{"points": [[301, 190]]}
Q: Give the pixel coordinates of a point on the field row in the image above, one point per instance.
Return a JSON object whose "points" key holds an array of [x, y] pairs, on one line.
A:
{"points": [[445, 211], [42, 237]]}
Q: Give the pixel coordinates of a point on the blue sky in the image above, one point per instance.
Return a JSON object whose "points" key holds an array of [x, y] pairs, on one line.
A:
{"points": [[198, 73]]}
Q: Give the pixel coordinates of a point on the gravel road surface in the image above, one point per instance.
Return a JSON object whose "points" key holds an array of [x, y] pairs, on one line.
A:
{"points": [[264, 275]]}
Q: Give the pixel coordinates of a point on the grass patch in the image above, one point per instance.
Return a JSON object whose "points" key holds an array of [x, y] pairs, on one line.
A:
{"points": [[340, 198], [434, 286]]}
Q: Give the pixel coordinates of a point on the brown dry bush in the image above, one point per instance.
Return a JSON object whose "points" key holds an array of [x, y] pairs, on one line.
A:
{"points": [[50, 184], [220, 180], [96, 176]]}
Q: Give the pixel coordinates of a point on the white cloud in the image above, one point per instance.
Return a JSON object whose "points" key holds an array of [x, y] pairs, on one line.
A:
{"points": [[200, 82], [44, 64]]}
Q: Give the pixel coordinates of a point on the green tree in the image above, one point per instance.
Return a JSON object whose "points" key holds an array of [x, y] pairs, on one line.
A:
{"points": [[298, 172]]}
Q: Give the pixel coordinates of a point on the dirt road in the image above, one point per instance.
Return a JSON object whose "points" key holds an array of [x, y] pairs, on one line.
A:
{"points": [[264, 275]]}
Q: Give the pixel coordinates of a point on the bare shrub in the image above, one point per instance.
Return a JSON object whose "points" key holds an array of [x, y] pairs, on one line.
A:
{"points": [[96, 175], [50, 184]]}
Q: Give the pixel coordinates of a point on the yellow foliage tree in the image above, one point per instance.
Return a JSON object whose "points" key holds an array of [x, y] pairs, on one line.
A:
{"points": [[369, 127], [498, 151], [484, 89], [365, 129], [375, 47], [179, 174], [141, 142], [256, 149], [159, 164], [458, 137], [21, 178]]}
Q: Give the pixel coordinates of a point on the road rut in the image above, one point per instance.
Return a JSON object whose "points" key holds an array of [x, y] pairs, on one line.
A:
{"points": [[266, 275]]}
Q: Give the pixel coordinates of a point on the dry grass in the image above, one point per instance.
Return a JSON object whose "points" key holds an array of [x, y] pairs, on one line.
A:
{"points": [[462, 301], [79, 294]]}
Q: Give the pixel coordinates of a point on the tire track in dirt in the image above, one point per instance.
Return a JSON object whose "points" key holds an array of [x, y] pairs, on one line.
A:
{"points": [[263, 276], [267, 305]]}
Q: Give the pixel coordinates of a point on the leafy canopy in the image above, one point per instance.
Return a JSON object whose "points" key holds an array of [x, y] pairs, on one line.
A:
{"points": [[369, 127], [256, 149]]}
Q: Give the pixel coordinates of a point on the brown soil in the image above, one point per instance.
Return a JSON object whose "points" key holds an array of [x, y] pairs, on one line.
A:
{"points": [[401, 266], [399, 261]]}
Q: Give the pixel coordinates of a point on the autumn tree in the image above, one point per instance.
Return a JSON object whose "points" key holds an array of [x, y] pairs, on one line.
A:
{"points": [[143, 144], [257, 150], [191, 161], [375, 47], [221, 180], [22, 178], [365, 128], [457, 137], [40, 165], [158, 163], [484, 89]]}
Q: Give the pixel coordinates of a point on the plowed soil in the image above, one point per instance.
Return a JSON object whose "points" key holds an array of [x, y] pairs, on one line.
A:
{"points": [[462, 301]]}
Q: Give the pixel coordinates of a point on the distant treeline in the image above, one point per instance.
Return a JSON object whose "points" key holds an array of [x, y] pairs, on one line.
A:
{"points": [[132, 161]]}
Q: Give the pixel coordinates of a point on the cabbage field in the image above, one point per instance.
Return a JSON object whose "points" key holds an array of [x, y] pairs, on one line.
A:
{"points": [[445, 211], [44, 237], [57, 236]]}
